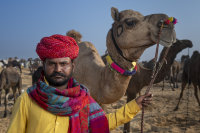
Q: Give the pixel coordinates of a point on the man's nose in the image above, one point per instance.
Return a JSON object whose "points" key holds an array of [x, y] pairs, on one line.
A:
{"points": [[58, 68]]}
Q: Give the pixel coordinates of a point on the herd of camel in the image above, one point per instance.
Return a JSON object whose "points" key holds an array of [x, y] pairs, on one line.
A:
{"points": [[130, 35]]}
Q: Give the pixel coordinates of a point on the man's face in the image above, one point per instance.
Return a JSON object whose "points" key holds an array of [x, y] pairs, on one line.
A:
{"points": [[58, 71]]}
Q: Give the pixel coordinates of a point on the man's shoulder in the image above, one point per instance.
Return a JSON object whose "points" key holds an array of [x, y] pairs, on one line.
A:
{"points": [[84, 87], [24, 96]]}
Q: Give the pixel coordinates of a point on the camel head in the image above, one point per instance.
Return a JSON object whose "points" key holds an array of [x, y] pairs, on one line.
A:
{"points": [[195, 54], [184, 58], [2, 79], [75, 34], [133, 33], [185, 42], [30, 59]]}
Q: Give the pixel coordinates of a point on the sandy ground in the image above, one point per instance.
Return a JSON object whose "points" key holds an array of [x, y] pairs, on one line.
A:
{"points": [[158, 118]]}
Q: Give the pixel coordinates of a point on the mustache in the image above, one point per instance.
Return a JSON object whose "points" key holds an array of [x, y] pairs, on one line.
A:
{"points": [[57, 74]]}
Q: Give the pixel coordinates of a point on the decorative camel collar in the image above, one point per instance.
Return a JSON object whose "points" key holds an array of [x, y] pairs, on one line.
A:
{"points": [[117, 68]]}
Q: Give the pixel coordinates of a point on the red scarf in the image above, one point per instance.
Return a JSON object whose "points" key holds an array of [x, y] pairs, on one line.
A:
{"points": [[75, 102]]}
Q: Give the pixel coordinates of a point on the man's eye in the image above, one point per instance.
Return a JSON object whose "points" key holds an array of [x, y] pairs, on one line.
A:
{"points": [[64, 64], [50, 64]]}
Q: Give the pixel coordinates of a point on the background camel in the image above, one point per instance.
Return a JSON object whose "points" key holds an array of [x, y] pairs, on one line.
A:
{"points": [[75, 34], [191, 74], [132, 33], [173, 74], [143, 76], [168, 75], [34, 64], [23, 62], [4, 63], [12, 63], [175, 69], [9, 78]]}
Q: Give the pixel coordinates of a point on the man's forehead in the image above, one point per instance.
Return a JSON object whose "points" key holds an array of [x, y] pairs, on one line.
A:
{"points": [[58, 59]]}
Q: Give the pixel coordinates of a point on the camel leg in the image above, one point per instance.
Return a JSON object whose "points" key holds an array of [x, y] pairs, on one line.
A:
{"points": [[20, 86], [196, 93], [181, 95], [163, 84], [14, 93], [0, 95], [127, 125], [171, 81], [20, 69], [5, 102], [176, 81]]}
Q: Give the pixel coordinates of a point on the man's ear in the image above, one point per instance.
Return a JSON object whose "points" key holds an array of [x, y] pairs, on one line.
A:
{"points": [[43, 64], [73, 66]]}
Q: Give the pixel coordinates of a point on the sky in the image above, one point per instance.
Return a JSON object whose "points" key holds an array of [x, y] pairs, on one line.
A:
{"points": [[24, 22]]}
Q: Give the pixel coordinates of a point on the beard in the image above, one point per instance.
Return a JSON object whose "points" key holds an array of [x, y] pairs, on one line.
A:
{"points": [[54, 82]]}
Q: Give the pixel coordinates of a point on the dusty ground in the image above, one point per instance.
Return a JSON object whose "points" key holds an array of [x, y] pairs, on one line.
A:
{"points": [[159, 117]]}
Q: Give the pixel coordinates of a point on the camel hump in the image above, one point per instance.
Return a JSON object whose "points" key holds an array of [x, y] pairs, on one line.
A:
{"points": [[75, 34], [87, 48]]}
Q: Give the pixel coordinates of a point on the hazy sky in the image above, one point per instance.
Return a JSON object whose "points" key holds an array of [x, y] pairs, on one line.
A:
{"points": [[23, 22]]}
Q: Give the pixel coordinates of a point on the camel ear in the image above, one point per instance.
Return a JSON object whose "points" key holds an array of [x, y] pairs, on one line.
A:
{"points": [[115, 14]]}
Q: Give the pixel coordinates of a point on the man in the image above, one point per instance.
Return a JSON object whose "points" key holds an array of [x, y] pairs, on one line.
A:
{"points": [[57, 103]]}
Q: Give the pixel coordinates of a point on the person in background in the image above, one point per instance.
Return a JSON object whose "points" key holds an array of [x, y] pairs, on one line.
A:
{"points": [[57, 103]]}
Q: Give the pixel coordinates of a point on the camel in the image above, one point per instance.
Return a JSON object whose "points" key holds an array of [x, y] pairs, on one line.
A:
{"points": [[13, 63], [23, 62], [175, 69], [150, 65], [191, 74], [172, 75], [10, 78], [143, 76], [130, 34], [4, 63], [34, 64], [184, 58], [75, 34]]}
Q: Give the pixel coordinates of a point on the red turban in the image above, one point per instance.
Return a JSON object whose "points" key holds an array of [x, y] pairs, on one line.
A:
{"points": [[57, 46]]}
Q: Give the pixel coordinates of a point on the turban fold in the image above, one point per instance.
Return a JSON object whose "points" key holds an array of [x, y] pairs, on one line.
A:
{"points": [[57, 46]]}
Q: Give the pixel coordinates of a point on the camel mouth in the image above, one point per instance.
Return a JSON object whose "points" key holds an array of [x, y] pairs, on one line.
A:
{"points": [[144, 46], [165, 43]]}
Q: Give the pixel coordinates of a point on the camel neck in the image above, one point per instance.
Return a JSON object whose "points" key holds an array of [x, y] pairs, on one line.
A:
{"points": [[114, 54], [117, 47]]}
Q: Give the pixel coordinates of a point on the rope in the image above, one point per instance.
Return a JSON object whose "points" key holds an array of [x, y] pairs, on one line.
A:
{"points": [[155, 72]]}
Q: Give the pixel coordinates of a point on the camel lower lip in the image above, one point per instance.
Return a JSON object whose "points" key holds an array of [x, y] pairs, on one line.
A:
{"points": [[144, 46], [165, 43]]}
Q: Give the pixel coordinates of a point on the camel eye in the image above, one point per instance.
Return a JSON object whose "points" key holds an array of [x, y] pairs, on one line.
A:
{"points": [[131, 21], [164, 25]]}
